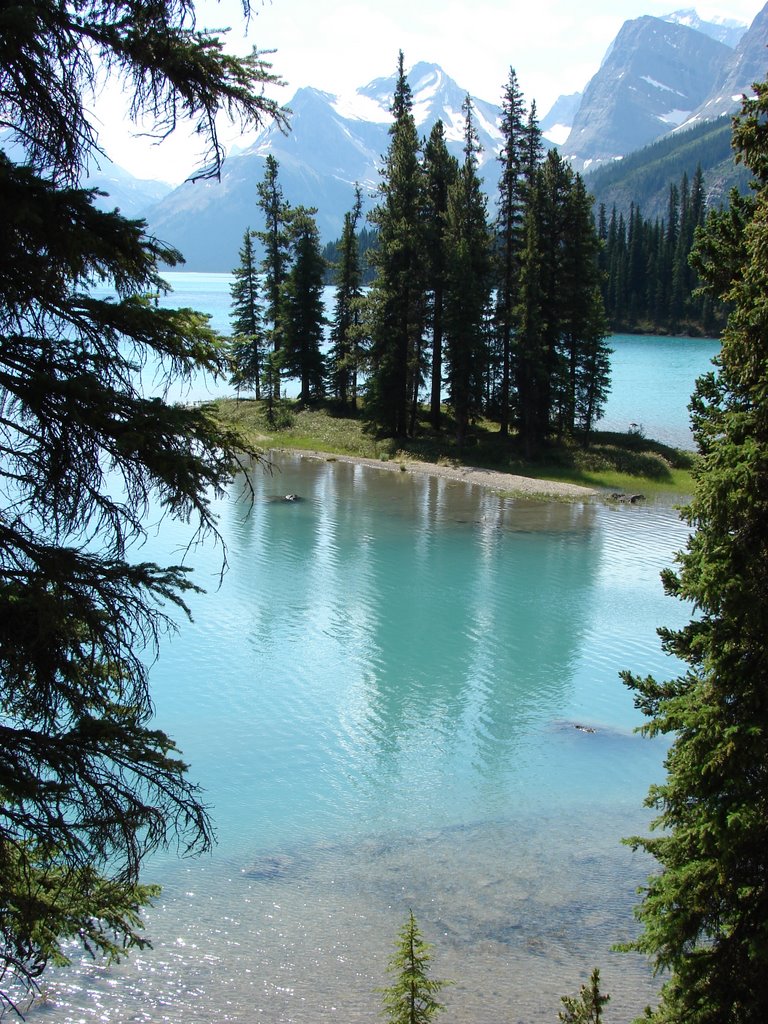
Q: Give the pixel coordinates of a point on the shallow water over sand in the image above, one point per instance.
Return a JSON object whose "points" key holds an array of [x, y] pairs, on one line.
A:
{"points": [[381, 702]]}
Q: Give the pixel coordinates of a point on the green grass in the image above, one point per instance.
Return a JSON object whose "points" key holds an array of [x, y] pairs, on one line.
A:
{"points": [[627, 463]]}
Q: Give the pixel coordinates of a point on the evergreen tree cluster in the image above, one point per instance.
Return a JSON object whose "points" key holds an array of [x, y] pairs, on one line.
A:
{"points": [[644, 177], [367, 239], [278, 317], [494, 315], [648, 281], [501, 315]]}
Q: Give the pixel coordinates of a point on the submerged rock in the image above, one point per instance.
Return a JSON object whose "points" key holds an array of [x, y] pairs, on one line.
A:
{"points": [[270, 867], [627, 499], [284, 497]]}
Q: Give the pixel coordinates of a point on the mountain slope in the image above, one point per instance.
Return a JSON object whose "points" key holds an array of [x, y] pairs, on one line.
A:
{"points": [[334, 142], [643, 178], [130, 195], [654, 75], [747, 64]]}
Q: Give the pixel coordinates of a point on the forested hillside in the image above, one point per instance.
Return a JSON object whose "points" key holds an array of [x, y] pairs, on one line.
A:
{"points": [[648, 283], [643, 178]]}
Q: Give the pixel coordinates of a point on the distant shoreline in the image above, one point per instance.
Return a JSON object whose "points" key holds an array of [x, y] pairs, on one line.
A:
{"points": [[506, 483]]}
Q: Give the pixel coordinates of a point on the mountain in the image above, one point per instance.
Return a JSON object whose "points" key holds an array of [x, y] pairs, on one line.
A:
{"points": [[724, 30], [132, 196], [334, 142], [655, 74], [658, 74], [558, 123], [747, 64], [556, 126]]}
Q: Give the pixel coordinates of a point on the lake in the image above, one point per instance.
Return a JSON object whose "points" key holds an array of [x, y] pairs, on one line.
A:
{"points": [[405, 695]]}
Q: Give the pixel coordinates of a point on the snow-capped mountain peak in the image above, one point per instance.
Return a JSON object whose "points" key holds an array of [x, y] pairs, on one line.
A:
{"points": [[654, 75], [436, 96], [724, 30]]}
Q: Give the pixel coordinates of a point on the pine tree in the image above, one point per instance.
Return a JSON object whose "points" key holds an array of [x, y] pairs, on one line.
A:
{"points": [[666, 262], [346, 327], [584, 325], [248, 334], [528, 365], [303, 310], [89, 783], [276, 241], [509, 236], [440, 171], [411, 997], [534, 147], [705, 914], [397, 297], [587, 1007], [550, 202], [468, 285]]}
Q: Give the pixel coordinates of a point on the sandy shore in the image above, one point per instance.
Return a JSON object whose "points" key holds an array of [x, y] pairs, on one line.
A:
{"points": [[506, 483]]}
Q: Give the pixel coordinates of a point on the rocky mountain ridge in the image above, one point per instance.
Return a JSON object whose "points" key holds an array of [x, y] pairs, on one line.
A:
{"points": [[659, 74]]}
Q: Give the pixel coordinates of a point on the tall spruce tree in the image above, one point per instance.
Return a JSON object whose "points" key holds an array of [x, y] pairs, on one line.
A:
{"points": [[529, 364], [346, 326], [584, 328], [276, 242], [245, 317], [550, 201], [89, 784], [303, 310], [468, 285], [705, 914], [397, 297], [440, 172], [509, 238]]}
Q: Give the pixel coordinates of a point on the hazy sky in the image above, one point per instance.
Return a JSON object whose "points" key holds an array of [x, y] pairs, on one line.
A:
{"points": [[555, 47]]}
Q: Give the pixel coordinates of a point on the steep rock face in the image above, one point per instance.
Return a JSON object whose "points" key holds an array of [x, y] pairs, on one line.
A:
{"points": [[654, 75], [334, 143], [747, 64]]}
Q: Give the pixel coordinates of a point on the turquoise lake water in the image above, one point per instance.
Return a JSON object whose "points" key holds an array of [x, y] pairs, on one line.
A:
{"points": [[405, 695]]}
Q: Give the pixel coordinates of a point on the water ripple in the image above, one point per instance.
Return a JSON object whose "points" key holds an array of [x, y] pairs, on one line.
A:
{"points": [[403, 693]]}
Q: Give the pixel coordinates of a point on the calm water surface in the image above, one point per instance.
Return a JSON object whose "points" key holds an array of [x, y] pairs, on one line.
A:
{"points": [[381, 701]]}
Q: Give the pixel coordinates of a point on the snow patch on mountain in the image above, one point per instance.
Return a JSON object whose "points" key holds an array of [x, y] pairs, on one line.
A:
{"points": [[674, 117], [557, 134], [359, 107], [659, 85]]}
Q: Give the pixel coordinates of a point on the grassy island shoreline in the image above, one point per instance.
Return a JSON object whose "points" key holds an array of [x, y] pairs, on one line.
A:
{"points": [[608, 464]]}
